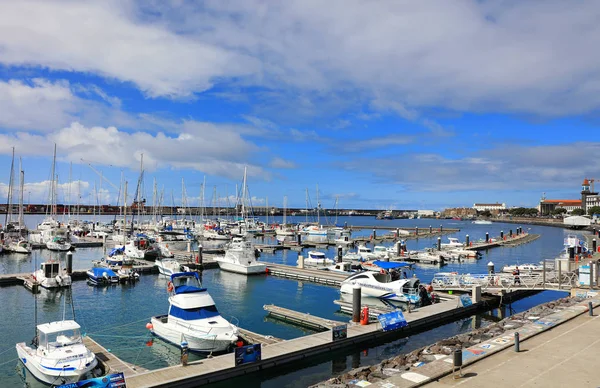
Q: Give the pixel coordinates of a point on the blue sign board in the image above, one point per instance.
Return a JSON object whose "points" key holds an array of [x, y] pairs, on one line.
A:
{"points": [[246, 354], [466, 300], [392, 321], [339, 332], [115, 380]]}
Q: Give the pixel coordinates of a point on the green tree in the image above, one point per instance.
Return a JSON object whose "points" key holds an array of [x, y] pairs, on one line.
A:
{"points": [[559, 210], [577, 212], [485, 213], [594, 210]]}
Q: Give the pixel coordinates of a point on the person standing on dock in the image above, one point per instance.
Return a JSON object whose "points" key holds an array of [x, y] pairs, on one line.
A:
{"points": [[516, 274]]}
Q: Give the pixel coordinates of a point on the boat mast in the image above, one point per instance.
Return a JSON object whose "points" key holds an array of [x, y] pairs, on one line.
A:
{"points": [[284, 210], [8, 216], [125, 214], [52, 187], [244, 194], [306, 214], [267, 210], [69, 190], [337, 197], [202, 200], [21, 188], [214, 202], [318, 208]]}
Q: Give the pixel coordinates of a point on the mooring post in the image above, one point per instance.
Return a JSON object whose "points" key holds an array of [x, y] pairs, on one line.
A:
{"points": [[430, 229], [457, 363], [399, 248], [501, 235], [517, 344], [544, 274], [594, 246], [491, 269], [299, 239], [189, 246], [69, 262], [184, 353], [441, 228], [199, 261], [559, 275], [591, 309], [487, 237], [300, 261], [476, 294], [374, 234], [510, 233], [339, 254], [439, 244], [467, 240], [356, 303], [417, 231]]}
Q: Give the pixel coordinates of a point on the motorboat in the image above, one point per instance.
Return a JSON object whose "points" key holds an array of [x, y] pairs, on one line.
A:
{"points": [[285, 230], [19, 246], [58, 355], [241, 257], [344, 240], [452, 243], [381, 285], [193, 317], [51, 275], [482, 222], [214, 234], [523, 268], [170, 266], [102, 275], [315, 258], [132, 251], [343, 267], [380, 251], [463, 253], [58, 243]]}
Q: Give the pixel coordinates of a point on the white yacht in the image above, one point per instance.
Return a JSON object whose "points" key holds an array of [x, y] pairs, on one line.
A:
{"points": [[58, 243], [380, 251], [132, 251], [482, 222], [315, 258], [59, 355], [452, 243], [193, 317], [240, 257], [523, 268], [170, 266], [381, 285], [212, 234], [365, 253], [18, 246], [50, 275], [285, 230]]}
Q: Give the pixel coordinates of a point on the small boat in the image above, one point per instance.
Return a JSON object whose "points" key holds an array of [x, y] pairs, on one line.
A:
{"points": [[51, 275], [102, 275], [366, 253], [343, 267], [452, 243], [58, 244], [57, 354], [522, 268], [193, 317], [20, 246], [170, 266], [482, 222], [380, 251], [316, 258], [240, 257], [381, 285], [344, 240], [214, 234], [131, 250]]}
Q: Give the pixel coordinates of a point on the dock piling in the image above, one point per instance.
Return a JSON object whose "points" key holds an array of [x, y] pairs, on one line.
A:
{"points": [[439, 244], [430, 229], [476, 294], [467, 240], [501, 235], [591, 309], [374, 234], [441, 228], [491, 269], [399, 248], [457, 363], [487, 237], [416, 231], [339, 254], [199, 261], [69, 262], [189, 246], [356, 303], [510, 233], [594, 246], [517, 343], [300, 261]]}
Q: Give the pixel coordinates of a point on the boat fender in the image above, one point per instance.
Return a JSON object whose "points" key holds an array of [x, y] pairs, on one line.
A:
{"points": [[59, 279], [170, 286]]}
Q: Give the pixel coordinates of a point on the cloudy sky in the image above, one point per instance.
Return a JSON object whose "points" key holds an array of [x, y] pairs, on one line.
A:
{"points": [[401, 104]]}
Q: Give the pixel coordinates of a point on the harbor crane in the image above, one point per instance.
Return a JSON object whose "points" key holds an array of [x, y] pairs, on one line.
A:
{"points": [[102, 177]]}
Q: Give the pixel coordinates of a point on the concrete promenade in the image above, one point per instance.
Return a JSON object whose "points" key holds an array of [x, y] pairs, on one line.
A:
{"points": [[562, 357]]}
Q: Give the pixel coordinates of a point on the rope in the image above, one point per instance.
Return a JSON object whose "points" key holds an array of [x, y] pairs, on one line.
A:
{"points": [[114, 327], [6, 362]]}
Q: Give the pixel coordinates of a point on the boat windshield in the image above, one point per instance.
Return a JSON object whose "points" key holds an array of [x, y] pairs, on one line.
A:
{"points": [[59, 339], [187, 284], [194, 313]]}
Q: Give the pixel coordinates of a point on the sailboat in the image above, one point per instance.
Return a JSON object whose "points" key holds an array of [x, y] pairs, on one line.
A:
{"points": [[19, 244], [284, 229], [57, 354]]}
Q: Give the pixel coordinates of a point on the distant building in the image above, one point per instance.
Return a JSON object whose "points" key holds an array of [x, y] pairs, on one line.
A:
{"points": [[426, 213], [481, 207], [591, 201], [547, 206], [459, 212], [587, 193]]}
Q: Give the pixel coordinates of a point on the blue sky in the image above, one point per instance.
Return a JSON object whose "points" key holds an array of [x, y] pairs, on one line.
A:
{"points": [[397, 104]]}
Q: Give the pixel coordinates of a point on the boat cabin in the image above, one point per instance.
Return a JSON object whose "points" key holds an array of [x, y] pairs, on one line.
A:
{"points": [[51, 269], [363, 249], [316, 255], [59, 334], [380, 249], [186, 282]]}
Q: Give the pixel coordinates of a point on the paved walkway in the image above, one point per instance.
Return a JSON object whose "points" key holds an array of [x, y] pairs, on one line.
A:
{"points": [[566, 356]]}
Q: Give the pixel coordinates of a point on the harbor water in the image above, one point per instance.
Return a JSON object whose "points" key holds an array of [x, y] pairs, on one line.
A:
{"points": [[115, 316]]}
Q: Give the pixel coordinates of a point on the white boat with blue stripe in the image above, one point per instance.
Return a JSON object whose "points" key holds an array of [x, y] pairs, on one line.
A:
{"points": [[57, 354], [193, 317], [384, 284]]}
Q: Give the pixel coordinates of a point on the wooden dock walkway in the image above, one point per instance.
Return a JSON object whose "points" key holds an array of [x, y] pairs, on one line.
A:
{"points": [[301, 319], [307, 274], [255, 338], [506, 241], [111, 363]]}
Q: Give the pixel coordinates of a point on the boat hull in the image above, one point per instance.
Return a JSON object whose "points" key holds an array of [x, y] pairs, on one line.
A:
{"points": [[252, 269], [51, 375], [205, 344]]}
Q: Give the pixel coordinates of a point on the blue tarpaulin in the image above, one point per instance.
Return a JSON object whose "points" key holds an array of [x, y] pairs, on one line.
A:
{"points": [[391, 264], [116, 251], [392, 321]]}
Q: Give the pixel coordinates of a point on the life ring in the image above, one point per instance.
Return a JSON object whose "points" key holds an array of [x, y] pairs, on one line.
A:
{"points": [[382, 271], [170, 286]]}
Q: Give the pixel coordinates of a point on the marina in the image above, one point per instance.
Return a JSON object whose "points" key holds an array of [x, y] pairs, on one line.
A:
{"points": [[283, 268]]}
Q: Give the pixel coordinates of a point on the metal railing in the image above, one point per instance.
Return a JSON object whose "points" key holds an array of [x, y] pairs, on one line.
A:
{"points": [[530, 280]]}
